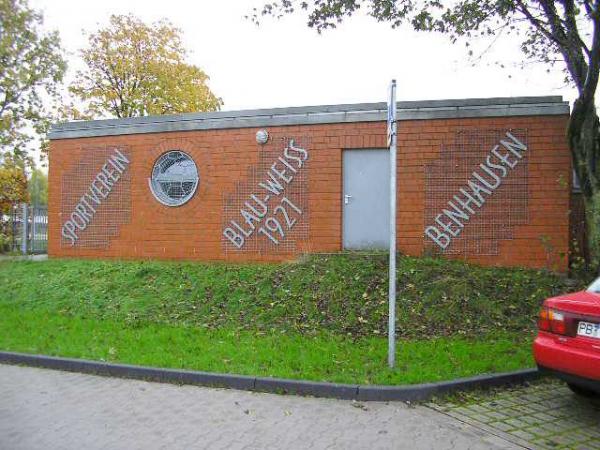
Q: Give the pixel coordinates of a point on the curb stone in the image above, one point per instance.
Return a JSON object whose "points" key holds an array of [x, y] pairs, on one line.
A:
{"points": [[416, 392]]}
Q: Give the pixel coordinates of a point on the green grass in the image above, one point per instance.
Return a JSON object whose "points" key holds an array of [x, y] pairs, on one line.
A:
{"points": [[322, 357], [322, 318]]}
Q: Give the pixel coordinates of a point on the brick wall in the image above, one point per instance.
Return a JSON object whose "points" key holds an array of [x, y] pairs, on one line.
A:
{"points": [[226, 157]]}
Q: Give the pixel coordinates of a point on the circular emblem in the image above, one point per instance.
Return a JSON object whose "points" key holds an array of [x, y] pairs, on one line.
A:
{"points": [[262, 137], [174, 178]]}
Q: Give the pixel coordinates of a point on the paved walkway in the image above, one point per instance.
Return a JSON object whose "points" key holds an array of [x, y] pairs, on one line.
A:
{"points": [[45, 409], [544, 415]]}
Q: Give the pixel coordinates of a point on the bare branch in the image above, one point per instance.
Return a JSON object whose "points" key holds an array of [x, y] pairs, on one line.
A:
{"points": [[571, 25], [536, 22], [593, 69]]}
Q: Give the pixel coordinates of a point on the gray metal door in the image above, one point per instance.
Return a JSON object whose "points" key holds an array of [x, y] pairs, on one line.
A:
{"points": [[366, 199]]}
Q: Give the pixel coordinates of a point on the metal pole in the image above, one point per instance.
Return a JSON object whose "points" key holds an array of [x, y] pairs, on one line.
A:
{"points": [[392, 129], [24, 229], [33, 216]]}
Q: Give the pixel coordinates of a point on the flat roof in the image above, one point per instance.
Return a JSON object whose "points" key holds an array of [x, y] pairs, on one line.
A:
{"points": [[310, 115]]}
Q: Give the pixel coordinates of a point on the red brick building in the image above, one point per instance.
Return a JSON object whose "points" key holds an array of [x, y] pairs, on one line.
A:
{"points": [[486, 180]]}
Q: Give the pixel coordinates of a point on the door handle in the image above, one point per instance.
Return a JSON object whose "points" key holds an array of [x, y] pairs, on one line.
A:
{"points": [[347, 199]]}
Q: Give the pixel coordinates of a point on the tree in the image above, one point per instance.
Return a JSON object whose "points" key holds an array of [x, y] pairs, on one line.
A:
{"points": [[563, 31], [13, 190], [37, 187], [13, 184], [31, 69], [134, 69]]}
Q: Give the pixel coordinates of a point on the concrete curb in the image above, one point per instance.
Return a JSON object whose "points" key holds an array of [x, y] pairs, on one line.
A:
{"points": [[417, 392]]}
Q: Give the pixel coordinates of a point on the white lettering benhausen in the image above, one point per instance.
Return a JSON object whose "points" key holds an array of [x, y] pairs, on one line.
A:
{"points": [[483, 182], [98, 191], [256, 208]]}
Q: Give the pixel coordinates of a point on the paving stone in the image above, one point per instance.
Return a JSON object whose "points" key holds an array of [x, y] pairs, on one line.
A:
{"points": [[538, 407], [552, 405], [563, 411], [530, 420], [482, 418], [502, 426], [516, 422], [549, 428], [493, 405], [547, 443], [522, 410], [578, 435], [563, 439], [476, 410], [463, 411], [543, 417], [523, 435], [494, 415], [593, 430], [573, 422], [507, 403]]}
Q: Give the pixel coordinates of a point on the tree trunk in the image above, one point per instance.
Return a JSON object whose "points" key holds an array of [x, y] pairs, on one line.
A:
{"points": [[584, 140]]}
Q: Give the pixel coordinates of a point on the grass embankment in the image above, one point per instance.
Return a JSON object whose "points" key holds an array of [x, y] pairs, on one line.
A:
{"points": [[323, 318]]}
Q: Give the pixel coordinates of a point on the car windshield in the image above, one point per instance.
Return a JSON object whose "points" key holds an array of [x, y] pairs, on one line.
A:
{"points": [[595, 286]]}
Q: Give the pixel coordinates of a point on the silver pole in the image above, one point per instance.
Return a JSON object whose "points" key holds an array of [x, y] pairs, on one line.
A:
{"points": [[392, 129], [33, 216], [24, 230]]}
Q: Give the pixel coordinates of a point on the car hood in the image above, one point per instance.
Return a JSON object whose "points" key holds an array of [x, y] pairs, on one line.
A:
{"points": [[583, 302]]}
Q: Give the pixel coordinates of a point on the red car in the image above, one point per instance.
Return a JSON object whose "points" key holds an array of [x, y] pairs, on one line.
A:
{"points": [[568, 341]]}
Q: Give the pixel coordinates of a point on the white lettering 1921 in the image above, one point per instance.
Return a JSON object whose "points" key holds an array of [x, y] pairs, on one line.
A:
{"points": [[451, 221], [255, 215], [98, 191]]}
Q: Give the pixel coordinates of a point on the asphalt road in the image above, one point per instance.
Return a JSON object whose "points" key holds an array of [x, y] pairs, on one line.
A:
{"points": [[45, 409]]}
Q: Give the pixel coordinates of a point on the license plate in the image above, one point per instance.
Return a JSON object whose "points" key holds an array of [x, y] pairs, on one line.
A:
{"points": [[589, 329]]}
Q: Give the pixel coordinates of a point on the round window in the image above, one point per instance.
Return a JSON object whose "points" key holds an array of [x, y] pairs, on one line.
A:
{"points": [[174, 178]]}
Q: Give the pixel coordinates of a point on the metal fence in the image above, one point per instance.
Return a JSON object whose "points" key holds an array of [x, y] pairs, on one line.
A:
{"points": [[29, 229]]}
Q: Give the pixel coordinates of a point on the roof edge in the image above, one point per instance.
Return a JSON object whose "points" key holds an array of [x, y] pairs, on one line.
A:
{"points": [[310, 115]]}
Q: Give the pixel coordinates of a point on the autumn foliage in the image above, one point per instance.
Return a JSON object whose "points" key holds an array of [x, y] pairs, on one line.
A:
{"points": [[13, 186], [134, 69]]}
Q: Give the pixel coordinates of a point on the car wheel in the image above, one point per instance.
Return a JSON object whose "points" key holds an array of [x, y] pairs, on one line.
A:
{"points": [[579, 390]]}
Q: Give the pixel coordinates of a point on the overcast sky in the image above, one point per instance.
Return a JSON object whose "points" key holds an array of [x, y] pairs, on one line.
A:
{"points": [[285, 63]]}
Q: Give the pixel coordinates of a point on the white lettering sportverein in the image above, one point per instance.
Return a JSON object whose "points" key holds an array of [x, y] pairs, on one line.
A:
{"points": [[484, 181], [98, 191]]}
